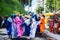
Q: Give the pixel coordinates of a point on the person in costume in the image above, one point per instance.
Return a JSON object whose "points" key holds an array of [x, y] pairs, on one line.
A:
{"points": [[21, 27], [55, 22], [17, 22], [38, 28], [35, 22], [9, 26], [14, 30], [42, 24], [26, 24], [51, 24]]}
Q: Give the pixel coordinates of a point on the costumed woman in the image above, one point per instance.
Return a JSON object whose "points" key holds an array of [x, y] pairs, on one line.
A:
{"points": [[42, 25], [51, 24], [17, 23]]}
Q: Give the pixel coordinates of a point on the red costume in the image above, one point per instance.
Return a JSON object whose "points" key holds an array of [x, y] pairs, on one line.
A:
{"points": [[51, 25]]}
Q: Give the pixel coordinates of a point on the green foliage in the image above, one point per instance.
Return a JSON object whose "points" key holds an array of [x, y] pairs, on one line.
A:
{"points": [[39, 9], [51, 4], [26, 2], [9, 6]]}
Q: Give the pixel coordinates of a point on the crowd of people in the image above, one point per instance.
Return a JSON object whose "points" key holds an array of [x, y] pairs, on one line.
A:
{"points": [[54, 23], [19, 25]]}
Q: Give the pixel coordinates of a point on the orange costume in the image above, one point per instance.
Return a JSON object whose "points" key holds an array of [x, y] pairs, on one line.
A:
{"points": [[42, 25]]}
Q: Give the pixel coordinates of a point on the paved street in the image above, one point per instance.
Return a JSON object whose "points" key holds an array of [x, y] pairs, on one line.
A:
{"points": [[52, 35], [4, 36]]}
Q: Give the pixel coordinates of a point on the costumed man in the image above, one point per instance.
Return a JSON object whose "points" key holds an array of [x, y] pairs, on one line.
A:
{"points": [[9, 26], [35, 22]]}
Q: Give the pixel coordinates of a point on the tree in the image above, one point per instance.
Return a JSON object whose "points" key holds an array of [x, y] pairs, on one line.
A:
{"points": [[58, 4], [39, 9], [26, 2], [9, 6], [51, 4]]}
